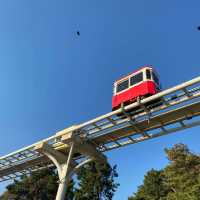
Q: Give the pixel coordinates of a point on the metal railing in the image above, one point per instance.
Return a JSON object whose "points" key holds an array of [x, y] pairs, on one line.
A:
{"points": [[127, 125]]}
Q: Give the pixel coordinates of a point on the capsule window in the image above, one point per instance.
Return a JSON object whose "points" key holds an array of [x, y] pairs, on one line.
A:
{"points": [[148, 74], [122, 86], [136, 79], [155, 78]]}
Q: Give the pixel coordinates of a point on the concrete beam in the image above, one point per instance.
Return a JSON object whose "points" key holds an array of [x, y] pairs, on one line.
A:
{"points": [[84, 147], [60, 157]]}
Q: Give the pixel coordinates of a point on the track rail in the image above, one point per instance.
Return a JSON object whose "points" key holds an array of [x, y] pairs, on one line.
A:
{"points": [[180, 109]]}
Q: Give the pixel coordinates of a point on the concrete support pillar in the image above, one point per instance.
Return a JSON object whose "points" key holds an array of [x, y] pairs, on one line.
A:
{"points": [[63, 176], [65, 164]]}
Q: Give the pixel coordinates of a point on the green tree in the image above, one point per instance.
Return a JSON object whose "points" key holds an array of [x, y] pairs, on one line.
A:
{"points": [[40, 185], [96, 182], [182, 173], [153, 187], [179, 180]]}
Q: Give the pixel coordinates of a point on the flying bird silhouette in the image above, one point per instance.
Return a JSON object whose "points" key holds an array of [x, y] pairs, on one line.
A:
{"points": [[78, 33]]}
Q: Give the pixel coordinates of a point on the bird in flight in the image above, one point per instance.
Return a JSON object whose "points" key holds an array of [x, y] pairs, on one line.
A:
{"points": [[78, 33]]}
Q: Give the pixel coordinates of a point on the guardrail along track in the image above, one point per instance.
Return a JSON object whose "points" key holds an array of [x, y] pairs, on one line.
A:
{"points": [[179, 109]]}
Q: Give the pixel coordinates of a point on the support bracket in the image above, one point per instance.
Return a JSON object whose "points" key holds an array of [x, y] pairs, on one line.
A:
{"points": [[65, 164]]}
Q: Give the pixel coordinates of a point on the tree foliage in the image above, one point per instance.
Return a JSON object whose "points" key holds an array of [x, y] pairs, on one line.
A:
{"points": [[179, 180], [96, 182], [39, 186], [153, 187], [42, 185]]}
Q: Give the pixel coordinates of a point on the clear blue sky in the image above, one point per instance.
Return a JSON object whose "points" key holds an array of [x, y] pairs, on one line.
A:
{"points": [[51, 79]]}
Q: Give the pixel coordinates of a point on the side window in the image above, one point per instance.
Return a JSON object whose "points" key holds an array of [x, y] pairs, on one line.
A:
{"points": [[136, 79], [148, 74], [122, 86], [155, 78]]}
